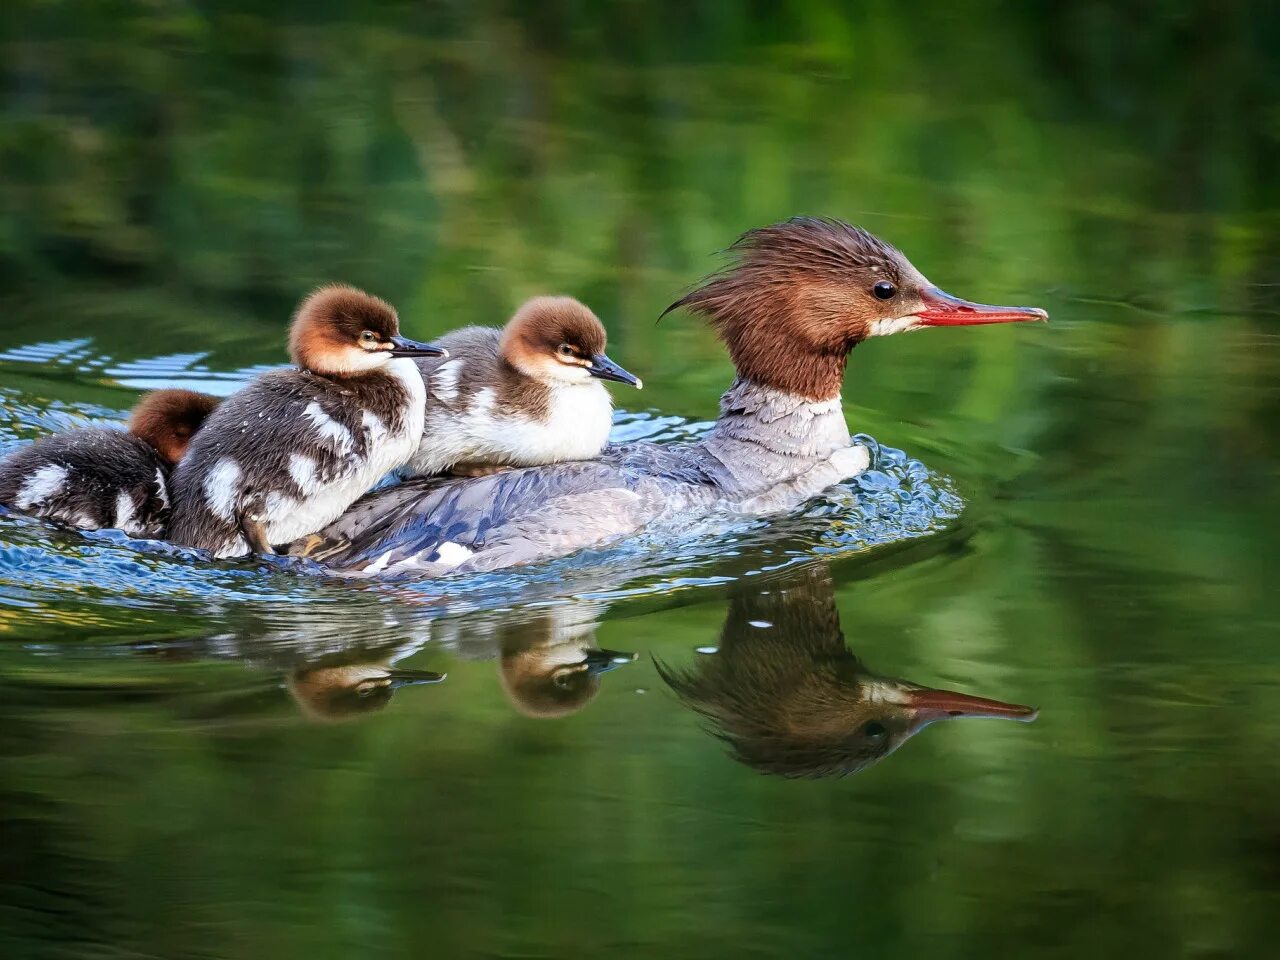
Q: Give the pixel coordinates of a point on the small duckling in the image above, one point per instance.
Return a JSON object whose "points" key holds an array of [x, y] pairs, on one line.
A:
{"points": [[525, 395], [98, 479], [168, 419], [554, 670], [336, 693], [291, 451]]}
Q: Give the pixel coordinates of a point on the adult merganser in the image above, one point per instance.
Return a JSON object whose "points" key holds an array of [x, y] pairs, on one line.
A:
{"points": [[288, 453], [101, 478], [525, 395], [790, 698], [800, 296]]}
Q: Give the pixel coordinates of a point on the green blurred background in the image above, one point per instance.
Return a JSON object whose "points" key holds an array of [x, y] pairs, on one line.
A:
{"points": [[176, 175]]}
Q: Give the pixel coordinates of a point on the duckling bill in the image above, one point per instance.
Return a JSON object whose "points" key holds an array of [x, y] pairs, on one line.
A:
{"points": [[291, 451]]}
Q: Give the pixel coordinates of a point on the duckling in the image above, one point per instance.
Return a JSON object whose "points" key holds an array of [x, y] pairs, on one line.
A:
{"points": [[791, 699], [551, 667], [102, 478], [168, 419], [290, 452], [525, 395], [336, 693]]}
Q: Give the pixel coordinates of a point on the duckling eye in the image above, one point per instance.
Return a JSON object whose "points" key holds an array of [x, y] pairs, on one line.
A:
{"points": [[874, 731], [368, 336], [884, 290], [565, 350]]}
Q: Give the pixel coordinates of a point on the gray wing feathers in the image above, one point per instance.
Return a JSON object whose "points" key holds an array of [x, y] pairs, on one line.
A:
{"points": [[501, 520]]}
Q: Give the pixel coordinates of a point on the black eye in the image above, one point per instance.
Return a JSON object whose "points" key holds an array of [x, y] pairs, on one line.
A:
{"points": [[565, 350], [368, 336], [884, 290], [874, 731]]}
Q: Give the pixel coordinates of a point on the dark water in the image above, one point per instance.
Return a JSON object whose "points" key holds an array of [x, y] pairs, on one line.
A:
{"points": [[203, 761]]}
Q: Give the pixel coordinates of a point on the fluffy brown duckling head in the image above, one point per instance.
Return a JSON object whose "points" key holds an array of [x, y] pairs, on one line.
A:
{"points": [[335, 693], [168, 419], [801, 294], [557, 680], [340, 331], [559, 340]]}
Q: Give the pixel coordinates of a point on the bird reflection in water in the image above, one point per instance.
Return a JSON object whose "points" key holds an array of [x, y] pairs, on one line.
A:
{"points": [[335, 693], [790, 698], [549, 665]]}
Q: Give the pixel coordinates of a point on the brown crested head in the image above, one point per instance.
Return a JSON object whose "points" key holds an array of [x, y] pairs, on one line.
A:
{"points": [[790, 698], [559, 340], [801, 294], [168, 419], [342, 331]]}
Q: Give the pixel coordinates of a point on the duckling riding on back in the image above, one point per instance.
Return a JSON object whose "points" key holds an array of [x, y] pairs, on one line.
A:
{"points": [[291, 451], [101, 478], [523, 396]]}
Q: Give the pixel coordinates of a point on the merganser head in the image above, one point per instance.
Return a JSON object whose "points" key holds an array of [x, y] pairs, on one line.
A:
{"points": [[790, 698], [834, 723], [168, 419], [559, 340], [335, 693], [341, 331], [803, 293]]}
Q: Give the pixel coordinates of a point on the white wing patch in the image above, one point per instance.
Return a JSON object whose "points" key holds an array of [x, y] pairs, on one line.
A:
{"points": [[380, 564], [329, 428], [162, 488], [125, 512], [450, 554], [222, 488], [482, 403], [444, 381], [303, 471], [43, 484], [374, 428]]}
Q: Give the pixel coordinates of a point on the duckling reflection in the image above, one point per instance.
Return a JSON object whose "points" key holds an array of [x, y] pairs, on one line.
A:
{"points": [[550, 665], [337, 664], [334, 665], [790, 698], [331, 694]]}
